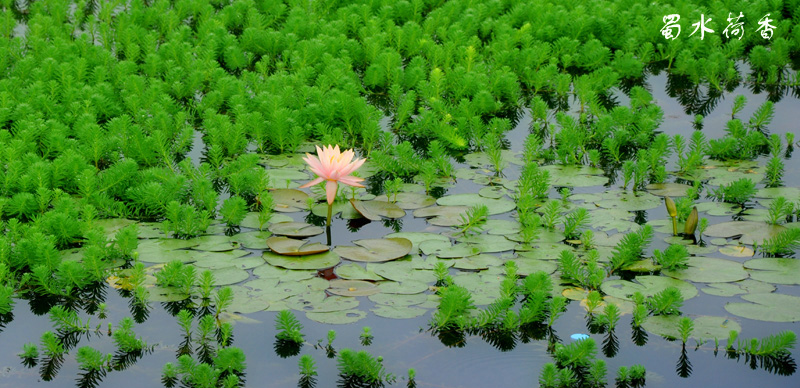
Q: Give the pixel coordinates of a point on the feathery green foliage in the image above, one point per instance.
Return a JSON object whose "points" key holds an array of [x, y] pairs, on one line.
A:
{"points": [[289, 327], [630, 248]]}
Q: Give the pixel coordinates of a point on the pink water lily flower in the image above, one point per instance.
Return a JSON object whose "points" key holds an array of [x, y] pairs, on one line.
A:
{"points": [[333, 166]]}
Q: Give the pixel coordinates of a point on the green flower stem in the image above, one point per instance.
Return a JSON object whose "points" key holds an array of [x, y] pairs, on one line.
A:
{"points": [[330, 212]]}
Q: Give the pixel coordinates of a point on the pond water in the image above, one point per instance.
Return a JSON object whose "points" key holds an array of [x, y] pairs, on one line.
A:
{"points": [[407, 343]]}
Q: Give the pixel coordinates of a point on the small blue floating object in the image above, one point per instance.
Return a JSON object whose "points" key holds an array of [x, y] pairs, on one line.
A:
{"points": [[578, 336]]}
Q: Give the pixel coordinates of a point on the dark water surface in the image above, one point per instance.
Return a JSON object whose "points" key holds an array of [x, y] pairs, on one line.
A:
{"points": [[406, 344]]}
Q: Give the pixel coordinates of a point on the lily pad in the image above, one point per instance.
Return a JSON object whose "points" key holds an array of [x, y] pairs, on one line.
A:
{"points": [[401, 270], [718, 208], [374, 210], [668, 189], [575, 176], [409, 201], [749, 230], [495, 206], [442, 215], [342, 209], [375, 250], [481, 261], [417, 237], [165, 294], [488, 243], [775, 192], [630, 201], [501, 227], [444, 250], [767, 307], [705, 327], [399, 299], [252, 240], [648, 286], [337, 317], [292, 247], [285, 177], [229, 275], [709, 270], [747, 286], [493, 192], [352, 288], [353, 271], [295, 229], [737, 251], [289, 200], [286, 275], [318, 261], [251, 220], [774, 270], [404, 287], [214, 260], [398, 312], [526, 267]]}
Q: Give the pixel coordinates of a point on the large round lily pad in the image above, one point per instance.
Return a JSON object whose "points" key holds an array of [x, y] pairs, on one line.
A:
{"points": [[747, 286], [668, 189], [289, 200], [444, 250], [318, 261], [417, 237], [774, 270], [292, 247], [353, 288], [353, 271], [443, 215], [409, 201], [575, 176], [375, 250], [398, 312], [488, 242], [648, 286], [399, 299], [705, 327], [767, 307], [709, 270], [295, 229], [374, 210], [229, 275], [337, 317], [630, 201], [750, 231], [495, 206], [252, 240], [268, 271], [775, 192], [343, 209]]}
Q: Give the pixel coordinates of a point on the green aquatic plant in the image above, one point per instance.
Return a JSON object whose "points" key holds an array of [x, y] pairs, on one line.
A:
{"points": [[474, 219], [672, 211], [90, 359], [455, 304], [184, 221], [392, 187], [609, 318], [774, 172], [632, 377], [786, 242], [412, 378], [673, 258], [762, 116], [779, 211], [178, 275], [630, 248], [773, 346], [366, 336], [738, 192], [67, 321], [665, 302], [738, 104], [574, 221], [233, 211], [289, 328], [551, 212], [685, 329], [363, 367], [308, 371]]}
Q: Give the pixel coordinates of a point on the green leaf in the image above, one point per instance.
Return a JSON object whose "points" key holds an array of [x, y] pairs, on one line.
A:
{"points": [[767, 307], [375, 250], [295, 229], [774, 270], [709, 270], [495, 206], [705, 327], [292, 247], [374, 210], [337, 317], [353, 288], [648, 286], [750, 231], [318, 261]]}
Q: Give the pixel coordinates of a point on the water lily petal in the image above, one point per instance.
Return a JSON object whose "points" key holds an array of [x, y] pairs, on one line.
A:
{"points": [[312, 183], [351, 181], [330, 191]]}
